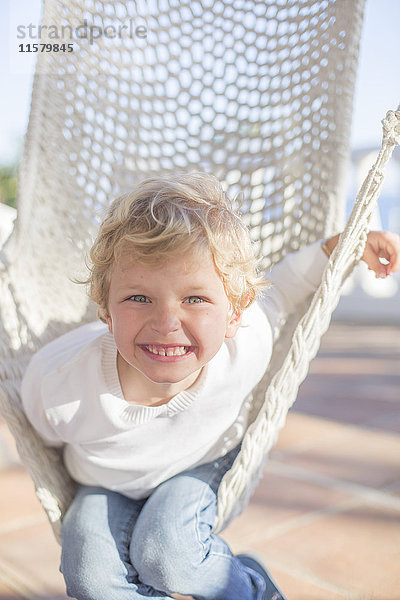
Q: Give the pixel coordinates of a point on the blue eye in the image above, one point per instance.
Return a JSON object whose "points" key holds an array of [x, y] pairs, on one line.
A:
{"points": [[139, 298], [194, 300]]}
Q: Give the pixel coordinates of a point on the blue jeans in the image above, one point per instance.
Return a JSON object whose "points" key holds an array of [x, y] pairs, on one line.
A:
{"points": [[116, 548]]}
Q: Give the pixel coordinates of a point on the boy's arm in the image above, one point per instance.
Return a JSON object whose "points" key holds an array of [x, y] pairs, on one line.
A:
{"points": [[293, 280], [47, 399], [380, 244], [298, 275], [32, 402]]}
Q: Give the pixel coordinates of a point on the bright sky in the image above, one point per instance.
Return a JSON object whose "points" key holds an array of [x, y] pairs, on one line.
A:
{"points": [[378, 84]]}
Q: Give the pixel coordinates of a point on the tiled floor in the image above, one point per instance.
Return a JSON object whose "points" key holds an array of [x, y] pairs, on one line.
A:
{"points": [[326, 516]]}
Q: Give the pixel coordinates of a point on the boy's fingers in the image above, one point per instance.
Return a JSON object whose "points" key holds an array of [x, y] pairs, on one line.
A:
{"points": [[394, 265], [382, 244], [393, 248], [374, 263]]}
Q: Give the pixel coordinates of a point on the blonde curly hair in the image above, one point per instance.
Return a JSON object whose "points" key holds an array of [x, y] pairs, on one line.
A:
{"points": [[164, 216]]}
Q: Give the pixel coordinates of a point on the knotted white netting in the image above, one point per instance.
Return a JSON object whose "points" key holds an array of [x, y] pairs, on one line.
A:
{"points": [[257, 92]]}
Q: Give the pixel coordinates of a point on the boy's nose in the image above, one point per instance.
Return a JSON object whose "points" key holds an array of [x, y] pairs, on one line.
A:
{"points": [[165, 321]]}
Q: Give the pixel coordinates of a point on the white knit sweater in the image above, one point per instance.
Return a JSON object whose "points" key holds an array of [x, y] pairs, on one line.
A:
{"points": [[72, 395]]}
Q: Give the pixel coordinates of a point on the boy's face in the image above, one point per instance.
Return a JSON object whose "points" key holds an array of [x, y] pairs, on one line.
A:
{"points": [[168, 321]]}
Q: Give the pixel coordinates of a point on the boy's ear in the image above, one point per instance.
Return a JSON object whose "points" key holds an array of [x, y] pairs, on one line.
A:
{"points": [[108, 320], [233, 323]]}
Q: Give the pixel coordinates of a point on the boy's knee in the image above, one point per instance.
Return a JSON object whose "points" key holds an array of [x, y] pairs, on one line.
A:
{"points": [[90, 566], [166, 565], [162, 568], [170, 539], [156, 556]]}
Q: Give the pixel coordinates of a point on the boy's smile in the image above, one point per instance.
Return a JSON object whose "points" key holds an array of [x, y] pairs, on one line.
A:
{"points": [[167, 353], [168, 321]]}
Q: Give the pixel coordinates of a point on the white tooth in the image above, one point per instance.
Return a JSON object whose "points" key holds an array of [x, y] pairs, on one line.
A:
{"points": [[170, 352]]}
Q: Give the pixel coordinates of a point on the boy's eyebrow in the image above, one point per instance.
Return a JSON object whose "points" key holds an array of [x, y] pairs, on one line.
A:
{"points": [[198, 288], [136, 285]]}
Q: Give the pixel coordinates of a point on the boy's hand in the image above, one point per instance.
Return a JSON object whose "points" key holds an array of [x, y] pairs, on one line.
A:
{"points": [[380, 244], [386, 245]]}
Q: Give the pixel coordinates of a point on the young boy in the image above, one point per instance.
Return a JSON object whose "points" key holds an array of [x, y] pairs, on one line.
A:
{"points": [[151, 405]]}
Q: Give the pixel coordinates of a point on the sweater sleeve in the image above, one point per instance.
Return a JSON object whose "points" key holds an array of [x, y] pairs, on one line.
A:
{"points": [[46, 366], [293, 280], [33, 404]]}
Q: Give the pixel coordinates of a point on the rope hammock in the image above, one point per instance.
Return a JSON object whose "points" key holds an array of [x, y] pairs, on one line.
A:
{"points": [[258, 93]]}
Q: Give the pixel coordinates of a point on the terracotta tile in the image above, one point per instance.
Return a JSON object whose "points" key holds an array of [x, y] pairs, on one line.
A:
{"points": [[353, 399], [16, 585], [7, 593], [299, 587], [386, 420], [394, 489], [366, 339], [17, 499], [360, 455], [281, 503], [305, 431], [277, 504], [34, 553], [355, 363], [26, 540], [355, 377], [358, 550]]}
